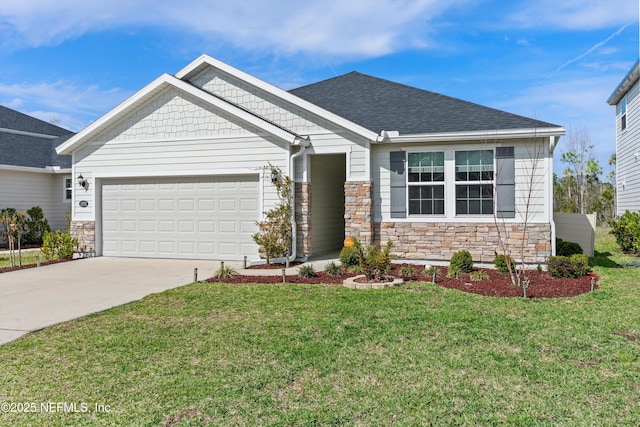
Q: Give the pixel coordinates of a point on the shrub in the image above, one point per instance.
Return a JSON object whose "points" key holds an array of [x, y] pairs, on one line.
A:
{"points": [[504, 263], [574, 266], [374, 261], [430, 272], [479, 275], [564, 248], [225, 272], [627, 232], [348, 256], [307, 271], [37, 225], [454, 273], [461, 262], [407, 271], [580, 264], [58, 245], [333, 269]]}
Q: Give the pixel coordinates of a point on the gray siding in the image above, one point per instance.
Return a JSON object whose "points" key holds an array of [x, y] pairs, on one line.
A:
{"points": [[627, 145], [24, 190]]}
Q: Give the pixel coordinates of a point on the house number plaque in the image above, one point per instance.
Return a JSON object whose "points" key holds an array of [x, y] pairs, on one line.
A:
{"points": [[84, 203]]}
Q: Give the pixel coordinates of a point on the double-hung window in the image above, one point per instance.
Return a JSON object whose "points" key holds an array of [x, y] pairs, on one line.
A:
{"points": [[623, 113], [474, 182], [426, 183], [68, 188]]}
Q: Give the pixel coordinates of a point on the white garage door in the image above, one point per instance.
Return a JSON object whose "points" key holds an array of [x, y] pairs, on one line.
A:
{"points": [[190, 217]]}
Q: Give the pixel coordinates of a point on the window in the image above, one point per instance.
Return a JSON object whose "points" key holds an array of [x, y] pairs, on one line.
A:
{"points": [[623, 113], [68, 187], [426, 183], [474, 182]]}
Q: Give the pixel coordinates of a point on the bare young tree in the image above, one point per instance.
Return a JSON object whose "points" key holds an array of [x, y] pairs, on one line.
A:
{"points": [[528, 182], [579, 151]]}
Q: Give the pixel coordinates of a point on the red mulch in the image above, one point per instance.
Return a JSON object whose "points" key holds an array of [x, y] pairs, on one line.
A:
{"points": [[542, 285], [24, 267]]}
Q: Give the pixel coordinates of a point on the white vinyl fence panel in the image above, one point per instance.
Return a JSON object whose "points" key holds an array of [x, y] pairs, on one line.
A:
{"points": [[579, 228]]}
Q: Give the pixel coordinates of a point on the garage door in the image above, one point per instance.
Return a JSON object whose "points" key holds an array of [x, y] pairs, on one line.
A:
{"points": [[190, 217]]}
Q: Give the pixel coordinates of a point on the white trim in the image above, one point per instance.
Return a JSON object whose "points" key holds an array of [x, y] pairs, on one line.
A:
{"points": [[176, 173], [54, 170], [199, 63], [158, 85], [482, 135], [22, 132], [64, 189]]}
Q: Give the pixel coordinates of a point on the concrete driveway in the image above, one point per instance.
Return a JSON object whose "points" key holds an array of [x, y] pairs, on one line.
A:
{"points": [[35, 298]]}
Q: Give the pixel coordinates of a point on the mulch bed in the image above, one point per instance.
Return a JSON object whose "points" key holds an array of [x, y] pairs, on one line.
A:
{"points": [[24, 267], [542, 285]]}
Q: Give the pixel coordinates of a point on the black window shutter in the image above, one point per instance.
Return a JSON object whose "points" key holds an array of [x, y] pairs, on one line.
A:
{"points": [[398, 185], [505, 182]]}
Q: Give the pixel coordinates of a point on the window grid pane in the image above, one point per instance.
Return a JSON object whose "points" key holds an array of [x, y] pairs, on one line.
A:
{"points": [[426, 200], [474, 199], [476, 165], [426, 167]]}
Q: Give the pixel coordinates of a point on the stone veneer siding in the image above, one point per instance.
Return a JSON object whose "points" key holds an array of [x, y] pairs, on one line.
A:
{"points": [[358, 210], [303, 218], [439, 240], [85, 232]]}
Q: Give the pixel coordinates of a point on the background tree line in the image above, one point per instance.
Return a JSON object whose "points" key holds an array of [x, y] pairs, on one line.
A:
{"points": [[582, 188]]}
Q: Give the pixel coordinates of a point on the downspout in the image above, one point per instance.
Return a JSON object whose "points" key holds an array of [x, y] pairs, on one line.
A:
{"points": [[292, 173], [552, 145]]}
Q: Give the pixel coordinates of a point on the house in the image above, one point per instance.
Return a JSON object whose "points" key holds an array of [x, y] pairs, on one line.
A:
{"points": [[625, 98], [31, 172], [178, 169]]}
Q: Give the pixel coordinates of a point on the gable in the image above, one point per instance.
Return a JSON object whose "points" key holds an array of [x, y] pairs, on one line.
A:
{"points": [[175, 114], [264, 104]]}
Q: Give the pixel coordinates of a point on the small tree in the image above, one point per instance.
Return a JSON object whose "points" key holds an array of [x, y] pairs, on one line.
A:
{"points": [[276, 232], [14, 224]]}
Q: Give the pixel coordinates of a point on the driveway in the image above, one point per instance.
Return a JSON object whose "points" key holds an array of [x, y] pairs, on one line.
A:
{"points": [[35, 298]]}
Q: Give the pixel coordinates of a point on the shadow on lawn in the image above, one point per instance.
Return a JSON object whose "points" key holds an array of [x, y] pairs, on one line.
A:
{"points": [[602, 259]]}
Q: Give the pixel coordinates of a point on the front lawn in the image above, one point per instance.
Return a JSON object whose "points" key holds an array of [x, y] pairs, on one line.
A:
{"points": [[28, 257], [220, 354]]}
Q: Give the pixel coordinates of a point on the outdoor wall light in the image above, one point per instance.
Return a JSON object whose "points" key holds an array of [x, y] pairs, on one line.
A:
{"points": [[82, 182], [274, 176]]}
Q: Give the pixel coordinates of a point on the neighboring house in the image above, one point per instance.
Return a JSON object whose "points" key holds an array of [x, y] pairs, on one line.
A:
{"points": [[625, 98], [178, 169], [31, 172]]}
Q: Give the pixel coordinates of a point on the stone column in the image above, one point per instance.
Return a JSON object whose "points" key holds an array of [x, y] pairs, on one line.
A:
{"points": [[358, 211], [85, 232], [303, 218]]}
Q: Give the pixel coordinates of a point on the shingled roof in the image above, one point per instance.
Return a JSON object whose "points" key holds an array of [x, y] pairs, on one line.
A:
{"points": [[378, 104], [29, 142]]}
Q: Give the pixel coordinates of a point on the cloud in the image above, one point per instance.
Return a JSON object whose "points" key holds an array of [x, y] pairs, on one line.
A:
{"points": [[592, 48], [575, 14], [354, 28], [74, 105]]}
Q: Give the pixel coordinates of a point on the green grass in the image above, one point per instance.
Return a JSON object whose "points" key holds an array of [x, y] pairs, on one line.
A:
{"points": [[28, 257], [216, 354]]}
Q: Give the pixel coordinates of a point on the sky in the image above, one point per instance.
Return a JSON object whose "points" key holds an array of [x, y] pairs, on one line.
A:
{"points": [[71, 61]]}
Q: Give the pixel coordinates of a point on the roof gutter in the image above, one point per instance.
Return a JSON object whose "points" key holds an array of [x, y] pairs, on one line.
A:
{"points": [[627, 82], [395, 137]]}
